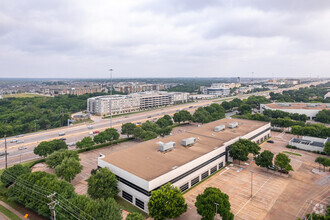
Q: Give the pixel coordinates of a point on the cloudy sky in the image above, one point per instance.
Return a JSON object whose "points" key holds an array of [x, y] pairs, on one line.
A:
{"points": [[164, 38]]}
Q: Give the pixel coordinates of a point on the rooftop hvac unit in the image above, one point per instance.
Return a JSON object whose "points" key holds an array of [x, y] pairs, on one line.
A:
{"points": [[284, 104], [219, 128], [233, 125], [166, 146], [188, 141]]}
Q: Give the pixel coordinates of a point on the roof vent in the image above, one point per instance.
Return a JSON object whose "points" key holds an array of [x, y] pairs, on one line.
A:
{"points": [[219, 128], [233, 125], [167, 146], [173, 168], [188, 142], [101, 156]]}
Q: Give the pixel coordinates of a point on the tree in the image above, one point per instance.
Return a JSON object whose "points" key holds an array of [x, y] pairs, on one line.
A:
{"points": [[148, 135], [320, 160], [100, 138], [138, 132], [244, 109], [323, 116], [162, 123], [206, 204], [47, 147], [135, 216], [57, 157], [265, 159], [327, 148], [253, 148], [226, 105], [111, 134], [169, 119], [103, 184], [165, 131], [166, 202], [128, 129], [27, 191], [239, 151], [68, 169], [149, 126], [9, 175], [182, 116], [283, 162], [86, 142], [202, 116]]}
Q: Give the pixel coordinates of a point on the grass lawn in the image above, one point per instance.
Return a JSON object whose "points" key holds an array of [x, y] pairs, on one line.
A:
{"points": [[8, 213], [23, 95], [287, 152], [123, 204]]}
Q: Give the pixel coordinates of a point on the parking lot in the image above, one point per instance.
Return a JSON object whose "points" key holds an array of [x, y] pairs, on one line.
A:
{"points": [[275, 196]]}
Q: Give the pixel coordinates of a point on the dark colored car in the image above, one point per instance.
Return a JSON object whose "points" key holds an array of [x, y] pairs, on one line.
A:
{"points": [[63, 139], [270, 141], [283, 171]]}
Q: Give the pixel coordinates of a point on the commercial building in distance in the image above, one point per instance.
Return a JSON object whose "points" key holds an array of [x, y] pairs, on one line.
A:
{"points": [[122, 104], [182, 160], [309, 109], [70, 90], [133, 87], [309, 143], [220, 89], [326, 96]]}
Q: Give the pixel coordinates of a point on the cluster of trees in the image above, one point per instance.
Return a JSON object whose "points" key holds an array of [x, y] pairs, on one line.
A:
{"points": [[324, 161], [307, 94], [168, 203], [281, 114], [25, 115], [209, 113], [240, 150], [235, 103], [323, 116], [66, 164], [149, 130], [46, 148], [315, 216], [282, 161], [314, 130], [109, 135]]}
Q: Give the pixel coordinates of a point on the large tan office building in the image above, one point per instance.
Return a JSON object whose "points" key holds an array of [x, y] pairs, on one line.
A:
{"points": [[143, 168]]}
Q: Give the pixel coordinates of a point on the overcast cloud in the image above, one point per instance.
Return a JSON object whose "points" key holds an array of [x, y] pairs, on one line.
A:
{"points": [[170, 38]]}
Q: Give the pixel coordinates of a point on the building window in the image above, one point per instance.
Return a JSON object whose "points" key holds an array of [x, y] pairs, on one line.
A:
{"points": [[213, 169], [194, 181], [139, 203], [220, 165], [127, 196], [184, 187], [204, 175]]}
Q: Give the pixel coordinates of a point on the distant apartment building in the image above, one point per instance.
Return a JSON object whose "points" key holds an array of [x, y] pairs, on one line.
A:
{"points": [[134, 87], [309, 143], [69, 90], [134, 102]]}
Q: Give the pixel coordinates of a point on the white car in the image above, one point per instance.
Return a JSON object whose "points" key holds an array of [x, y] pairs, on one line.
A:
{"points": [[22, 148], [90, 127], [19, 141], [91, 133], [13, 141]]}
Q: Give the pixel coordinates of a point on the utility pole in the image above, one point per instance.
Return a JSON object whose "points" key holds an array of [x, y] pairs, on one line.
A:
{"points": [[5, 136], [110, 97], [52, 205], [251, 182]]}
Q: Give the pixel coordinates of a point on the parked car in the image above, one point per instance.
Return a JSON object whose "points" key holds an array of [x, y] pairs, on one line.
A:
{"points": [[61, 133], [22, 148], [91, 132], [283, 171], [96, 132], [270, 141], [271, 167]]}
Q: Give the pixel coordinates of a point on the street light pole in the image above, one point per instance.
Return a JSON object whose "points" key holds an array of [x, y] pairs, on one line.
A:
{"points": [[251, 182], [110, 97], [5, 136], [216, 208]]}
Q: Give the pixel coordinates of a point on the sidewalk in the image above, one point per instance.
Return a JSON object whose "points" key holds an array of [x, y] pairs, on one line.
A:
{"points": [[12, 210]]}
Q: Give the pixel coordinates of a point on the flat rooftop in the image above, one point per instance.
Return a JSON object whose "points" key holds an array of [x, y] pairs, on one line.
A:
{"points": [[145, 161], [298, 106]]}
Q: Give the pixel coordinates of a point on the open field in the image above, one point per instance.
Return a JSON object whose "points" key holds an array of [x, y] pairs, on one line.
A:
{"points": [[23, 95], [275, 196]]}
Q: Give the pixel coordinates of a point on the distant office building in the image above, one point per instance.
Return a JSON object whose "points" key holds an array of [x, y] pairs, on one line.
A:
{"points": [[134, 102], [309, 109], [309, 143], [182, 160], [134, 87], [220, 89]]}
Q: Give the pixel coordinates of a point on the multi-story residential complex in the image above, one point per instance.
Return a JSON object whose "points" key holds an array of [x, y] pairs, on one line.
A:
{"points": [[63, 90], [183, 160], [309, 109], [133, 87], [122, 104]]}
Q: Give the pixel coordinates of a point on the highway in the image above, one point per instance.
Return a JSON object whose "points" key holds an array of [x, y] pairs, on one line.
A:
{"points": [[21, 152]]}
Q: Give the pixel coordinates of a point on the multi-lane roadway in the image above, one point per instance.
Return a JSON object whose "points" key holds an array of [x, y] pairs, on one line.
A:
{"points": [[21, 152]]}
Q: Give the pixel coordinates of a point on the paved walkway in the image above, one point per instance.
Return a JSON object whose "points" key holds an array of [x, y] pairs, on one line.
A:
{"points": [[12, 210]]}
